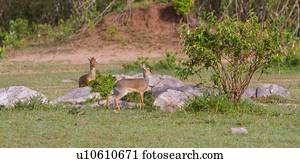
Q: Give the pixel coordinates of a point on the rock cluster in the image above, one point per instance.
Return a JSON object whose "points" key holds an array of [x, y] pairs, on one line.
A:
{"points": [[169, 93]]}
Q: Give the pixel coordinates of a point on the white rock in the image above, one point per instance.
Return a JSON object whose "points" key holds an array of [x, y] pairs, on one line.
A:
{"points": [[11, 95], [77, 96], [266, 90], [171, 100]]}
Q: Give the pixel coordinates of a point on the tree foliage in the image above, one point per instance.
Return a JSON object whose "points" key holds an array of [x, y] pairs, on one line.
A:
{"points": [[182, 7], [234, 50]]}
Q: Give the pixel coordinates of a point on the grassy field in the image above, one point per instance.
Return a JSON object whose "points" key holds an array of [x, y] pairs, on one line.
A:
{"points": [[65, 126]]}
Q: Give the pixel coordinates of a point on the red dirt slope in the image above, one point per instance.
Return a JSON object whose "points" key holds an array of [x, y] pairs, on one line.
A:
{"points": [[119, 37]]}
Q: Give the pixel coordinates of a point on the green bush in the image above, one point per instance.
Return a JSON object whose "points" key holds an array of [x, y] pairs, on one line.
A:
{"points": [[12, 40], [182, 7], [136, 66], [103, 84], [20, 27], [233, 50], [167, 63]]}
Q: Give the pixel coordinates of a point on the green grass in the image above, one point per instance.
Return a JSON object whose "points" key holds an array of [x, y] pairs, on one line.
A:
{"points": [[58, 127], [64, 126]]}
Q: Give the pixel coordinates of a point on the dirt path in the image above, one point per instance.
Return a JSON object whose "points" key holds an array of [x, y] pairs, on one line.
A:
{"points": [[108, 54]]}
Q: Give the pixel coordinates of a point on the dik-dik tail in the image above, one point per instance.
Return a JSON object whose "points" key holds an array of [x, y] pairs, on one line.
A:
{"points": [[125, 86], [85, 79]]}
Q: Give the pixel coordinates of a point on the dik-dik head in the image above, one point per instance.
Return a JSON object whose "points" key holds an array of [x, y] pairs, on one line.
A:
{"points": [[93, 62], [146, 71]]}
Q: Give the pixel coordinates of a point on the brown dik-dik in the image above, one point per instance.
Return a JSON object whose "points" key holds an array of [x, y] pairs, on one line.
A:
{"points": [[85, 79], [125, 86]]}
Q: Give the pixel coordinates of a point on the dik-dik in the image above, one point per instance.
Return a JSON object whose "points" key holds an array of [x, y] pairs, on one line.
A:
{"points": [[85, 79], [125, 86]]}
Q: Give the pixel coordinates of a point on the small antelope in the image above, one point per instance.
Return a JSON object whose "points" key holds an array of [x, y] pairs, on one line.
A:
{"points": [[85, 79], [125, 86]]}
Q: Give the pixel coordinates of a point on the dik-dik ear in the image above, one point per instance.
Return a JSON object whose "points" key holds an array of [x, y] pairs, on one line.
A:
{"points": [[89, 58], [143, 66]]}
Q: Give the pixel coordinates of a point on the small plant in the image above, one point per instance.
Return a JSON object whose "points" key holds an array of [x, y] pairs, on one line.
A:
{"points": [[110, 32], [103, 84], [182, 7]]}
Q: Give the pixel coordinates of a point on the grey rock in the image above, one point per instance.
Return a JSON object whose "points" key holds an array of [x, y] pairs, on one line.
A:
{"points": [[266, 90], [122, 76], [77, 96], [165, 83], [190, 90], [154, 80], [171, 100], [11, 95]]}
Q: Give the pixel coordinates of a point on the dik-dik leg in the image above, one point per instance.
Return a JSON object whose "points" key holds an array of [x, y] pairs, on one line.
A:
{"points": [[142, 100]]}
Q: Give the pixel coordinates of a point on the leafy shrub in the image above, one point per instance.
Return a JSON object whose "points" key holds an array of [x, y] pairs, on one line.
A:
{"points": [[12, 40], [136, 66], [167, 63], [221, 104], [20, 27], [182, 7], [234, 50], [103, 84]]}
